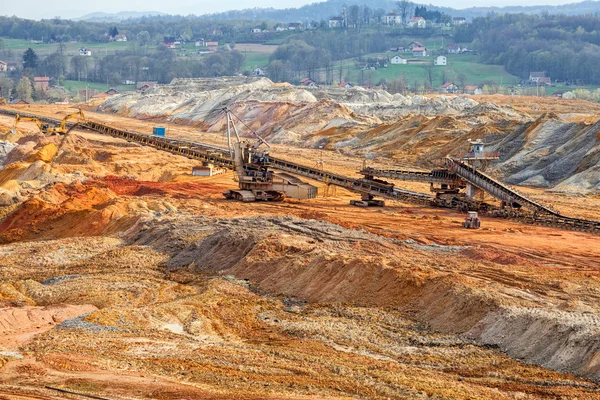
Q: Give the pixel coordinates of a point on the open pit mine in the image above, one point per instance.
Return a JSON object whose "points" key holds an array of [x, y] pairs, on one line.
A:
{"points": [[235, 238]]}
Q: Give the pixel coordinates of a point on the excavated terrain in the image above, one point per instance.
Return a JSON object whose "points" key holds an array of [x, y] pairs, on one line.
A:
{"points": [[554, 144], [123, 276]]}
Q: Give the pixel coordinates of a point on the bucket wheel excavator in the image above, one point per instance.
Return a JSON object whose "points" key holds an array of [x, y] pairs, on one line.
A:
{"points": [[257, 182]]}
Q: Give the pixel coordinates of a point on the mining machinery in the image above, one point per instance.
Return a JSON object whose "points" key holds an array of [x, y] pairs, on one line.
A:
{"points": [[44, 127], [458, 171], [60, 129], [257, 182]]}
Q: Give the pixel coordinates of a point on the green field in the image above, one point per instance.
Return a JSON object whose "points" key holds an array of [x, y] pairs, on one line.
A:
{"points": [[476, 73], [74, 86], [254, 60], [98, 49]]}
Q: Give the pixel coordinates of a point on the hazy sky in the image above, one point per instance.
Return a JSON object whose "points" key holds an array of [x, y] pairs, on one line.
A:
{"points": [[37, 9]]}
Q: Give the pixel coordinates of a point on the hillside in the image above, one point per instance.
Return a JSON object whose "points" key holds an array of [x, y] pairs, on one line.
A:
{"points": [[323, 10]]}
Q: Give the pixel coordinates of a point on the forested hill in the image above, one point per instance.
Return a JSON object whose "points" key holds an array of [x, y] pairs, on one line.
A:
{"points": [[329, 8], [567, 48]]}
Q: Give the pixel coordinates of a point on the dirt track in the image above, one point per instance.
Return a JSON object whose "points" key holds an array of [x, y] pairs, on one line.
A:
{"points": [[411, 307]]}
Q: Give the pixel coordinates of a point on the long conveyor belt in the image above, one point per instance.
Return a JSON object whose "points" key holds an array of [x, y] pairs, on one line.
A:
{"points": [[495, 188], [221, 157]]}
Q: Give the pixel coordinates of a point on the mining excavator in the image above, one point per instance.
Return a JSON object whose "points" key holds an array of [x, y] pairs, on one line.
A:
{"points": [[42, 126], [257, 182], [61, 129]]}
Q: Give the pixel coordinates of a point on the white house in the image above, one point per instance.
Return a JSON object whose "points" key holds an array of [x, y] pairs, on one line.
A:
{"points": [[392, 19], [120, 38], [419, 52], [473, 89], [449, 87], [398, 60], [458, 21], [336, 22], [85, 52], [258, 72], [453, 49], [417, 22], [200, 43], [256, 30], [539, 77], [440, 60], [280, 28]]}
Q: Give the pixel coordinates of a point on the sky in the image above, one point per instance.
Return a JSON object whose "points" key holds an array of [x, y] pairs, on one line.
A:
{"points": [[38, 9]]}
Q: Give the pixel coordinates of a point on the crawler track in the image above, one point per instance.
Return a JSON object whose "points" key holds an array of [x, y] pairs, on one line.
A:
{"points": [[457, 170]]}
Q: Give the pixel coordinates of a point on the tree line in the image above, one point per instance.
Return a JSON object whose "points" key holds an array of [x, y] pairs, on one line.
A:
{"points": [[567, 48]]}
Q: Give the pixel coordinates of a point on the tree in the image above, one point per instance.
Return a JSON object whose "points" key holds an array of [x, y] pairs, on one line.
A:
{"points": [[354, 16], [24, 89], [405, 9], [462, 80], [6, 85], [430, 74], [30, 59], [113, 31], [143, 38]]}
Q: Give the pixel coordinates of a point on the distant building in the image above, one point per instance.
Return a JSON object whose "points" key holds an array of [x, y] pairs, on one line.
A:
{"points": [[345, 85], [258, 72], [3, 66], [308, 82], [419, 52], [293, 26], [412, 45], [85, 52], [212, 46], [440, 60], [417, 22], [398, 60], [170, 41], [336, 22], [41, 83], [458, 21], [473, 89], [200, 43], [120, 38], [449, 87], [392, 19], [453, 49], [539, 77], [217, 32], [255, 30], [280, 28]]}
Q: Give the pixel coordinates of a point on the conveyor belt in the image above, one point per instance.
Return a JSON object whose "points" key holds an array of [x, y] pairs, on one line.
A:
{"points": [[542, 215], [495, 188], [435, 176]]}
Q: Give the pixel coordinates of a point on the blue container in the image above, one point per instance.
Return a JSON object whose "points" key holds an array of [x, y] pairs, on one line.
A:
{"points": [[159, 131]]}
